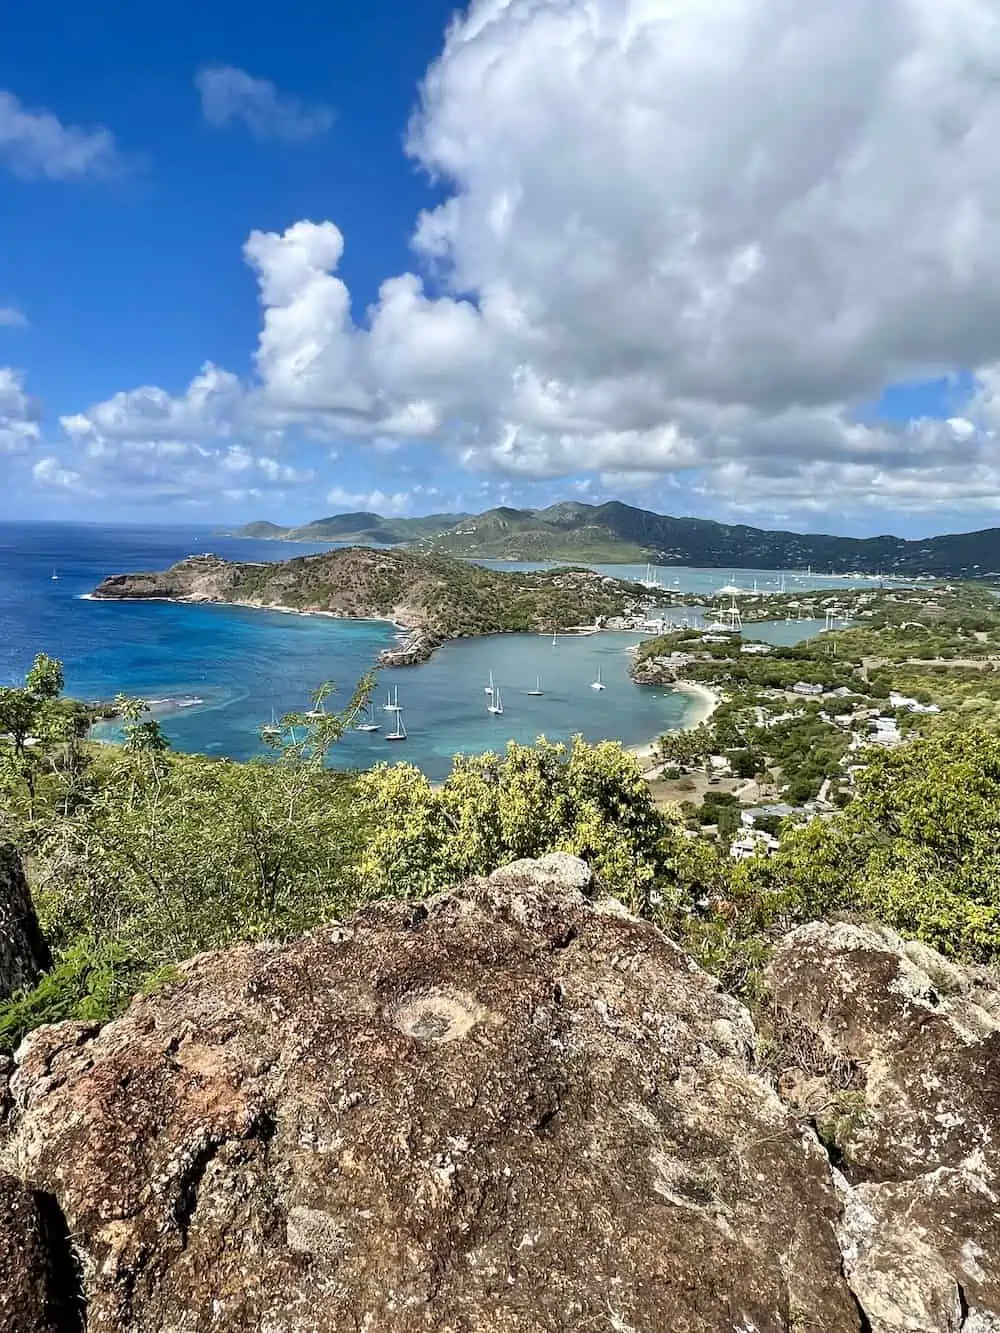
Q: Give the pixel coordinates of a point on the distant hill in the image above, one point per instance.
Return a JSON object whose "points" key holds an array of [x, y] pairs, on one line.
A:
{"points": [[361, 527], [620, 533]]}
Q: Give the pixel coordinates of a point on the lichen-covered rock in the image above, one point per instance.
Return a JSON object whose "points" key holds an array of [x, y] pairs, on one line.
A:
{"points": [[23, 952], [912, 1106], [38, 1292], [509, 1109]]}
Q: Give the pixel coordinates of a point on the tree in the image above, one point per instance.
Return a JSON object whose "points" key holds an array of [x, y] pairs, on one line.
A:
{"points": [[589, 800], [43, 734], [917, 848], [307, 738], [688, 747], [45, 678], [19, 713]]}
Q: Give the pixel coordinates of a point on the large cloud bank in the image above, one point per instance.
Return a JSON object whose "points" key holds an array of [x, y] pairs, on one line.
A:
{"points": [[682, 239]]}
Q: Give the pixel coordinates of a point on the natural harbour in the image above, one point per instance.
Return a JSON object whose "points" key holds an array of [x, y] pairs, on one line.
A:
{"points": [[218, 672]]}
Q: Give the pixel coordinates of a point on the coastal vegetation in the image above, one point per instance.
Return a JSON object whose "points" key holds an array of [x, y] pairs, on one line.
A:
{"points": [[139, 857], [620, 533]]}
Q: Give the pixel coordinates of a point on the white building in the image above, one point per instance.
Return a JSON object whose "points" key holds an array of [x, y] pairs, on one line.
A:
{"points": [[803, 687], [751, 843], [911, 705], [886, 733]]}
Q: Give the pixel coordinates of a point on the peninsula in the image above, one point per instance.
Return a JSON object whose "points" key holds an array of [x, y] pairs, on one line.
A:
{"points": [[434, 597]]}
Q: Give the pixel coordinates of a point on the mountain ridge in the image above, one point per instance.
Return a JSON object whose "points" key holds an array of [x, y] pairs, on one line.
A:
{"points": [[617, 533]]}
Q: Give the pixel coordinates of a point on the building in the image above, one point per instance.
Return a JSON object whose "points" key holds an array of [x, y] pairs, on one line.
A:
{"points": [[803, 687], [756, 649], [753, 843], [779, 810], [911, 705], [885, 733]]}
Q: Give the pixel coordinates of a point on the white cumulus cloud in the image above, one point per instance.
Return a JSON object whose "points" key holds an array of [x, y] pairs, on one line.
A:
{"points": [[36, 143], [11, 318], [19, 427], [686, 241], [230, 95], [392, 503]]}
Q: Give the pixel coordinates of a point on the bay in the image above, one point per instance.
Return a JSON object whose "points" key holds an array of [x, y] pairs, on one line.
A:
{"points": [[218, 673]]}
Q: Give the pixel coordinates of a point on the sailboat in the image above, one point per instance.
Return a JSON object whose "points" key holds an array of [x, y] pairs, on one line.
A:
{"points": [[488, 689], [271, 732], [598, 684], [538, 687], [553, 638], [497, 705], [314, 713], [391, 705], [367, 722], [55, 576], [400, 733]]}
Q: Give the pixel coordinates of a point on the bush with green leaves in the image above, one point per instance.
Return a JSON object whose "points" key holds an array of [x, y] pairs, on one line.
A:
{"points": [[918, 848], [90, 983], [589, 800]]}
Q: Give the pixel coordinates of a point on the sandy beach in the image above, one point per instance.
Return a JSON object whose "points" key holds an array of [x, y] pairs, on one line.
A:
{"points": [[705, 702]]}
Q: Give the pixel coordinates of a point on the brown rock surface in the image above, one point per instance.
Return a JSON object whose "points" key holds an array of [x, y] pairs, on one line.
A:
{"points": [[23, 952], [918, 1124], [506, 1109], [38, 1287]]}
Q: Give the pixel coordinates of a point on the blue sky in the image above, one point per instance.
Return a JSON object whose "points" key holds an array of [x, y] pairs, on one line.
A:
{"points": [[728, 266]]}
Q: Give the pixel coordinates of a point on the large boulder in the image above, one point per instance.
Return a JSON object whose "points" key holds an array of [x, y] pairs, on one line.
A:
{"points": [[23, 952], [894, 1052], [509, 1109]]}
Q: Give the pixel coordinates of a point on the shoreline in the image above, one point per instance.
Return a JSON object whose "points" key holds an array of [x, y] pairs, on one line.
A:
{"points": [[410, 655], [254, 606], [705, 701]]}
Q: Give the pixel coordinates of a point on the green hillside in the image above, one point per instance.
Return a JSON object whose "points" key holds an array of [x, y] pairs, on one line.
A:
{"points": [[623, 534]]}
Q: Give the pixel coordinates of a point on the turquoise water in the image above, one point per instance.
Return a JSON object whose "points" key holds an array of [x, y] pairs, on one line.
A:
{"points": [[229, 668], [218, 673], [683, 578]]}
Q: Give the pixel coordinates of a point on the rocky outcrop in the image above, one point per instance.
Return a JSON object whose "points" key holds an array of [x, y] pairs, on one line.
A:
{"points": [[509, 1109], [199, 578], [23, 951], [516, 1108], [896, 1057]]}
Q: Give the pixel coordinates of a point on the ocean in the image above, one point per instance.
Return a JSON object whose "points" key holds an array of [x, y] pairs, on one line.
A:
{"points": [[216, 674]]}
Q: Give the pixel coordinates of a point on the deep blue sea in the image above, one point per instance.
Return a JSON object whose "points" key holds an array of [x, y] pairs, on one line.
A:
{"points": [[217, 674]]}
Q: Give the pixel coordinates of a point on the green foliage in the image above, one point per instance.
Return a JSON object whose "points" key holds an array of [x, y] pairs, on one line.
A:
{"points": [[45, 678], [918, 848], [689, 747], [187, 854], [91, 982], [589, 800]]}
